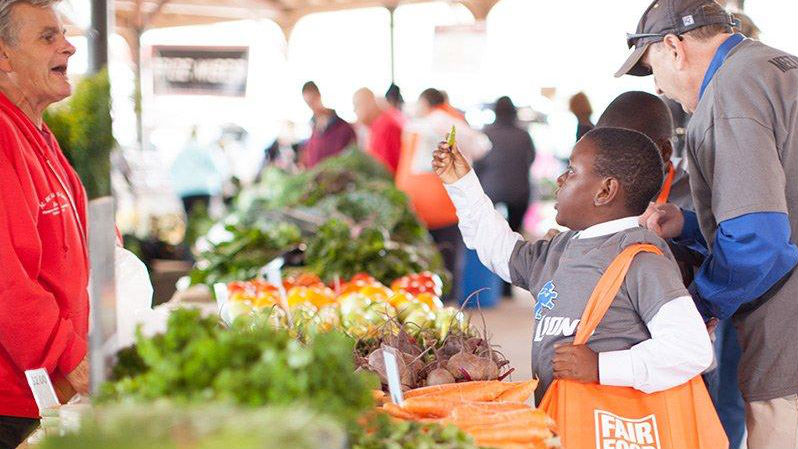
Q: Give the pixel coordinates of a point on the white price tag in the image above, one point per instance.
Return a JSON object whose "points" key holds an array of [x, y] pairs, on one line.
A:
{"points": [[42, 388], [392, 371], [222, 294], [274, 276]]}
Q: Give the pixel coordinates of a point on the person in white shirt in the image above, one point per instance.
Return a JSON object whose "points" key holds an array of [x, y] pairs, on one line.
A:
{"points": [[652, 337]]}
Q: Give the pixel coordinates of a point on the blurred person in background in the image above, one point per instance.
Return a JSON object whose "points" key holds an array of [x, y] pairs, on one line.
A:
{"points": [[432, 124], [384, 140], [330, 134], [197, 175], [579, 105], [44, 262], [504, 171], [447, 106], [282, 152], [393, 96]]}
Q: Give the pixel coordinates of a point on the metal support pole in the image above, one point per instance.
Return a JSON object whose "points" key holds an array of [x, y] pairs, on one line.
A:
{"points": [[102, 290], [392, 11], [98, 35]]}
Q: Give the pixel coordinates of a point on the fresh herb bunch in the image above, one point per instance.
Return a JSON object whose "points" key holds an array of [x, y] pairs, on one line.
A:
{"points": [[385, 433], [250, 364]]}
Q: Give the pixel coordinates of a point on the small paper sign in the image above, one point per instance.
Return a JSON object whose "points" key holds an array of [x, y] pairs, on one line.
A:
{"points": [[392, 371], [222, 294], [42, 388], [274, 276]]}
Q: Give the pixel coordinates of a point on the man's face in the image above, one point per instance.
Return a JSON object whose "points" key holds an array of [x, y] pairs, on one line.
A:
{"points": [[577, 187], [365, 107], [670, 77], [313, 100], [422, 108], [36, 63]]}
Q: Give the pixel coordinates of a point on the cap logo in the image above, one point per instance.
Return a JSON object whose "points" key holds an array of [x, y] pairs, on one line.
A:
{"points": [[688, 20]]}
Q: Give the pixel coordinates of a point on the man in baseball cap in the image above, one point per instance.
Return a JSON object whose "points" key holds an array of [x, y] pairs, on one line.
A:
{"points": [[742, 150], [669, 17]]}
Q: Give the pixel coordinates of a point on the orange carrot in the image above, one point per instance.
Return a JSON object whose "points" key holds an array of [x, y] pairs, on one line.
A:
{"points": [[513, 431], [520, 392], [495, 437], [477, 407], [486, 390], [397, 412], [529, 416], [379, 396], [429, 406]]}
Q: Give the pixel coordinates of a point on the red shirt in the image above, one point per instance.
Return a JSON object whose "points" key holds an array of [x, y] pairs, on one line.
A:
{"points": [[385, 142], [44, 302]]}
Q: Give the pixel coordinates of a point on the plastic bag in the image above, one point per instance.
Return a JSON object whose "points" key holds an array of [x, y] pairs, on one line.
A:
{"points": [[133, 299]]}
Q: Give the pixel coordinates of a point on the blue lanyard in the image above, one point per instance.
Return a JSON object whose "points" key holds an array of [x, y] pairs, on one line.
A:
{"points": [[717, 60]]}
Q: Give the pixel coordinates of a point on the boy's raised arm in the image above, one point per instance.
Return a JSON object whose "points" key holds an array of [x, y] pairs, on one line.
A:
{"points": [[482, 227]]}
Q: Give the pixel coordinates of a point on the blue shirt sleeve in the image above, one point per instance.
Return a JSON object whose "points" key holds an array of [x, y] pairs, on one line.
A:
{"points": [[691, 236], [751, 253]]}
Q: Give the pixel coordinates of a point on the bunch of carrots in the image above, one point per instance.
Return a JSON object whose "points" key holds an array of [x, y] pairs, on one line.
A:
{"points": [[494, 413]]}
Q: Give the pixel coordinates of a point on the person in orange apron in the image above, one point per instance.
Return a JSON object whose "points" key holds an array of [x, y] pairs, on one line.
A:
{"points": [[650, 338]]}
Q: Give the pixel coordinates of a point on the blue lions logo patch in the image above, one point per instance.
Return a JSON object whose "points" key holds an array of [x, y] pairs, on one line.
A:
{"points": [[546, 298]]}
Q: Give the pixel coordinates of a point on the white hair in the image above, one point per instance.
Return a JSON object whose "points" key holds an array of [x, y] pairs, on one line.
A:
{"points": [[8, 31]]}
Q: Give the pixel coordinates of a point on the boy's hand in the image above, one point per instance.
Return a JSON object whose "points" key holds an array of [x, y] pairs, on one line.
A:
{"points": [[665, 220], [449, 164], [577, 363]]}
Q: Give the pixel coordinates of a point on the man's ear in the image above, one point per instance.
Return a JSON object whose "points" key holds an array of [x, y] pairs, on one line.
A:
{"points": [[5, 61], [675, 47], [665, 150], [609, 189]]}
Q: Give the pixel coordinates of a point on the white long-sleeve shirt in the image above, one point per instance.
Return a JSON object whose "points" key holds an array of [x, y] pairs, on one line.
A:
{"points": [[679, 347]]}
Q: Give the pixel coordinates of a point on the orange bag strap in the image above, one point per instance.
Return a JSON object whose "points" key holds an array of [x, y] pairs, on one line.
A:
{"points": [[665, 193], [606, 289]]}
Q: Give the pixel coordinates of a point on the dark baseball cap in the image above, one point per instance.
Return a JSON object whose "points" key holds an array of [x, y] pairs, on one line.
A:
{"points": [[665, 17]]}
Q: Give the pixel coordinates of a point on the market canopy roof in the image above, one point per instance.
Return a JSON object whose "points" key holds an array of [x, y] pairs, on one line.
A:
{"points": [[141, 15]]}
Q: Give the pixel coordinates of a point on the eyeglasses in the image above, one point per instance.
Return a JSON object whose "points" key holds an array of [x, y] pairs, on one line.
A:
{"points": [[632, 38]]}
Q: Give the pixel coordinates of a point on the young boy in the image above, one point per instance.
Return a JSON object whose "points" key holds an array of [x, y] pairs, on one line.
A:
{"points": [[648, 114], [652, 337]]}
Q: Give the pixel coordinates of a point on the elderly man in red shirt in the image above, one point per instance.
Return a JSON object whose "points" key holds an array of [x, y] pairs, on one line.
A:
{"points": [[44, 303], [385, 132]]}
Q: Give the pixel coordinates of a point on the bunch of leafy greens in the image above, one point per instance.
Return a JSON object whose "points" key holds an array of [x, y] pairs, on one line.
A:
{"points": [[339, 250], [250, 364], [245, 252], [165, 425], [351, 217]]}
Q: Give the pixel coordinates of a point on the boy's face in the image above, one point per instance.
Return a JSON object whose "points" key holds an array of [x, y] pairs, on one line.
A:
{"points": [[577, 188]]}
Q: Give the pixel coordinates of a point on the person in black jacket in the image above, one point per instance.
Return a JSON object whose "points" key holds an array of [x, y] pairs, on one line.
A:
{"points": [[504, 171]]}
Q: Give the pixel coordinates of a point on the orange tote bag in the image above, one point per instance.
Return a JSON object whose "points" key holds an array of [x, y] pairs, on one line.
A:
{"points": [[605, 417]]}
